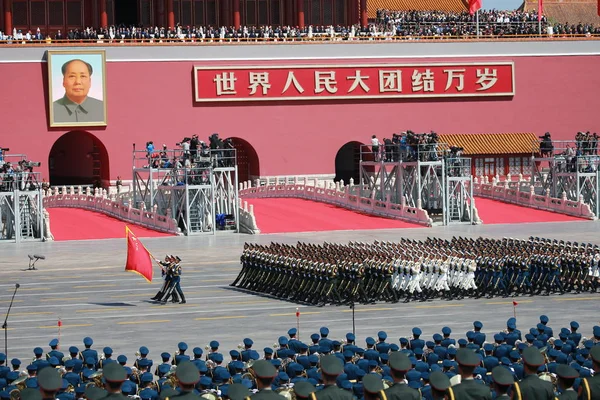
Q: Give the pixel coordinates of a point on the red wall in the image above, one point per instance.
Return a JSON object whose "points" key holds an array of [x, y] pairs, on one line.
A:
{"points": [[154, 101]]}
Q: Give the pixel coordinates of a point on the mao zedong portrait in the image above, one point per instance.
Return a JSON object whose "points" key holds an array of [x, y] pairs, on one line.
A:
{"points": [[76, 106]]}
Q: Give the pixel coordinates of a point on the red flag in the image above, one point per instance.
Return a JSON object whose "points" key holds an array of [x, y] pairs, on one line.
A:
{"points": [[297, 314], [515, 303], [540, 9], [59, 323], [474, 5], [138, 258]]}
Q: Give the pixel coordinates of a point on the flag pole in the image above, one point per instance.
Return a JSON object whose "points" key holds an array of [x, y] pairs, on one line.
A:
{"points": [[298, 322], [515, 304], [477, 22]]}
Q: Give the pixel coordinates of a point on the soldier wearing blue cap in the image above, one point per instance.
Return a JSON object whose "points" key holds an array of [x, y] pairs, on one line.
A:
{"points": [[54, 352], [143, 354], [468, 388], [416, 342], [213, 346], [248, 353], [70, 376], [324, 331], [531, 386], [88, 351], [16, 364], [146, 391], [268, 353], [88, 369], [480, 337], [574, 335], [293, 342], [265, 373], [31, 381], [400, 365], [107, 358], [77, 363], [180, 355]]}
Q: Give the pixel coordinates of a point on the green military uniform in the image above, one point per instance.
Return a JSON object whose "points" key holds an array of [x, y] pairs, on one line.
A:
{"points": [[590, 387], [264, 370], [469, 389], [401, 391], [503, 380], [332, 366], [531, 386], [114, 373], [440, 383], [188, 375], [566, 379], [50, 382]]}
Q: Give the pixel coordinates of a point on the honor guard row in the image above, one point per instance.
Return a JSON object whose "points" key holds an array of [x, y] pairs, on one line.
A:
{"points": [[171, 273], [412, 269], [537, 363]]}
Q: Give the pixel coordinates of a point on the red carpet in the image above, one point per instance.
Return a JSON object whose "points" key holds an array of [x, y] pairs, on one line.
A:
{"points": [[79, 224], [497, 212], [298, 215]]}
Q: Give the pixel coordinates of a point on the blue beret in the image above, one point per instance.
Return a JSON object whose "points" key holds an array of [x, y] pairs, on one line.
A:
{"points": [[370, 341], [425, 375], [421, 366], [127, 388], [38, 351], [214, 344], [144, 351], [147, 377], [498, 337], [53, 343], [182, 346], [12, 375], [446, 330], [313, 359], [122, 359], [268, 350], [452, 351], [108, 351], [511, 320], [283, 341], [164, 368], [381, 335], [70, 363], [2, 357], [477, 325], [33, 367], [544, 319], [53, 361], [324, 348], [90, 361], [558, 344], [324, 331], [248, 342], [552, 353], [514, 355], [292, 331], [414, 385], [447, 363], [541, 327], [315, 336], [394, 347], [529, 337], [418, 351], [144, 362], [217, 357], [596, 330], [384, 356], [585, 373], [534, 331], [73, 350], [165, 355], [488, 347], [430, 344], [202, 368], [574, 325], [302, 346], [404, 340], [336, 343], [276, 362], [234, 353], [87, 341], [511, 325], [470, 335], [417, 331], [437, 337], [15, 361], [197, 351], [462, 342], [346, 385], [373, 363], [360, 372], [283, 376], [350, 337], [205, 381], [523, 346], [237, 365]]}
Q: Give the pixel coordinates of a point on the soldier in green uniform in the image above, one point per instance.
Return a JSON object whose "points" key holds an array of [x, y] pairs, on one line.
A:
{"points": [[400, 364], [502, 381], [237, 391], [50, 382], [468, 388], [304, 390], [440, 383], [566, 379], [589, 389], [187, 376], [331, 368], [531, 386], [265, 372], [114, 376], [373, 387]]}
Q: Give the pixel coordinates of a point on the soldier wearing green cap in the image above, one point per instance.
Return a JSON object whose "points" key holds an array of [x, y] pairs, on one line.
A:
{"points": [[304, 390], [331, 368], [566, 379], [50, 383], [187, 376], [468, 388], [237, 391], [589, 389], [440, 383], [399, 365], [531, 386], [114, 375], [265, 372], [502, 381], [94, 393], [30, 394], [373, 387]]}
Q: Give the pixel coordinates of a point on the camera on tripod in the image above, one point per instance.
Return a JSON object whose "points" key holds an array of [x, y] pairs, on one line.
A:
{"points": [[30, 164], [4, 149]]}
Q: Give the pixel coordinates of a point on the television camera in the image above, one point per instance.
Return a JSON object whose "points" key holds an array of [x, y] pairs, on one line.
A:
{"points": [[546, 146], [29, 164]]}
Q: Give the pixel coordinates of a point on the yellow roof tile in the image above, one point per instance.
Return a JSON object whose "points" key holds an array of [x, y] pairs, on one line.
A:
{"points": [[571, 11], [493, 143], [419, 5]]}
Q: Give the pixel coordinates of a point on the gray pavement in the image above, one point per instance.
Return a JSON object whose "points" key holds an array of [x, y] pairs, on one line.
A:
{"points": [[84, 284]]}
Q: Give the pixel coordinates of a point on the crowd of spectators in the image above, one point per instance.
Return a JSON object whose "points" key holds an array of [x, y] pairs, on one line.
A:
{"points": [[539, 352], [17, 172], [387, 25]]}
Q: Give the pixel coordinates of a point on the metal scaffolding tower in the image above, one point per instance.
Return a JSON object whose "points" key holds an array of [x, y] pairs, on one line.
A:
{"points": [[21, 215], [425, 176], [570, 168], [200, 192]]}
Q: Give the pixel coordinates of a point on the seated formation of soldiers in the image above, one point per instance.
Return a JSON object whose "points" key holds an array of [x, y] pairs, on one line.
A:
{"points": [[411, 269], [540, 364]]}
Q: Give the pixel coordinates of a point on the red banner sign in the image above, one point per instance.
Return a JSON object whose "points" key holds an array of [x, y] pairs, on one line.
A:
{"points": [[328, 82]]}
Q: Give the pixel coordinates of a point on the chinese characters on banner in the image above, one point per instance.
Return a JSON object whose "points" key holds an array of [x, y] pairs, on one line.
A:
{"points": [[310, 82]]}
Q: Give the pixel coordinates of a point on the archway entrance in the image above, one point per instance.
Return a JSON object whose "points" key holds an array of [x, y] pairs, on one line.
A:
{"points": [[78, 158], [247, 160], [347, 162]]}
